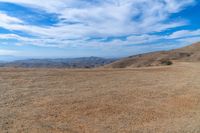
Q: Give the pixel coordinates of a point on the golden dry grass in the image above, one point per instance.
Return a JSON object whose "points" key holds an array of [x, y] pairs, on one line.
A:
{"points": [[144, 100], [160, 58]]}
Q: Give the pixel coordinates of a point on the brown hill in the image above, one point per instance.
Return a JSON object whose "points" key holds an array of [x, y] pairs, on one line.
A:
{"points": [[188, 53]]}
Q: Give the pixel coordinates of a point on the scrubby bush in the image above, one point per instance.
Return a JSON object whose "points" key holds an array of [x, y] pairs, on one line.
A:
{"points": [[166, 62]]}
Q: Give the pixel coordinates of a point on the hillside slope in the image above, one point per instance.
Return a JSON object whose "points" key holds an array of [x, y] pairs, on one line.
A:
{"points": [[189, 53]]}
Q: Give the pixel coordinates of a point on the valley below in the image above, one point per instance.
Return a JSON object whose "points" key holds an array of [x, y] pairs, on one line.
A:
{"points": [[159, 99]]}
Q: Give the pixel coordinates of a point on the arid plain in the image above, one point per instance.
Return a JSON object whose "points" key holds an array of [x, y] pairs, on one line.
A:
{"points": [[163, 99]]}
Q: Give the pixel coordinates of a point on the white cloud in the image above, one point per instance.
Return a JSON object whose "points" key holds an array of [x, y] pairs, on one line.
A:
{"points": [[189, 40], [184, 33], [12, 36], [100, 18], [8, 19], [7, 52]]}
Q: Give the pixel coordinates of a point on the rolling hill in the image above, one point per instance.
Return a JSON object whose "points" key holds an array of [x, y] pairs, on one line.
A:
{"points": [[189, 53]]}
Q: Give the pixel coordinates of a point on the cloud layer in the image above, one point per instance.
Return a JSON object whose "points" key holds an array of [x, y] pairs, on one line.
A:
{"points": [[95, 23]]}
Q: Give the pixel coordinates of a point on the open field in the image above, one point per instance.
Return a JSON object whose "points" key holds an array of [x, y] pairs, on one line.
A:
{"points": [[143, 100]]}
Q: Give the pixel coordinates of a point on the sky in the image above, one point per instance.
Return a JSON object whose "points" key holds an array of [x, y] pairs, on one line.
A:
{"points": [[103, 28]]}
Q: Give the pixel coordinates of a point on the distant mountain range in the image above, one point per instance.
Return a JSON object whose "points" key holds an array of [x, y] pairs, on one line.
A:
{"points": [[85, 62], [189, 53]]}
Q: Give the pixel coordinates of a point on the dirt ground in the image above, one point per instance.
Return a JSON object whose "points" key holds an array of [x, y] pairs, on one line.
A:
{"points": [[143, 100]]}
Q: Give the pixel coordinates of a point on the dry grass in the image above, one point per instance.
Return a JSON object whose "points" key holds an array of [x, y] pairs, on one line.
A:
{"points": [[160, 58], [144, 100]]}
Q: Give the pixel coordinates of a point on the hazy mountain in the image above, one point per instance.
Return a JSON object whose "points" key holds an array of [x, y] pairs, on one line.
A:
{"points": [[85, 62]]}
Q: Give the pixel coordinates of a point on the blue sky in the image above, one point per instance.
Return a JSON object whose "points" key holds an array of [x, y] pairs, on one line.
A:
{"points": [[105, 28]]}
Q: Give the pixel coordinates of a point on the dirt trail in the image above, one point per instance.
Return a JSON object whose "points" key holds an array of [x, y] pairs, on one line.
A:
{"points": [[157, 99]]}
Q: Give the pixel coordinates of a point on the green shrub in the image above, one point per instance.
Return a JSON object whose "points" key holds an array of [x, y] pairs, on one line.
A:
{"points": [[166, 62]]}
